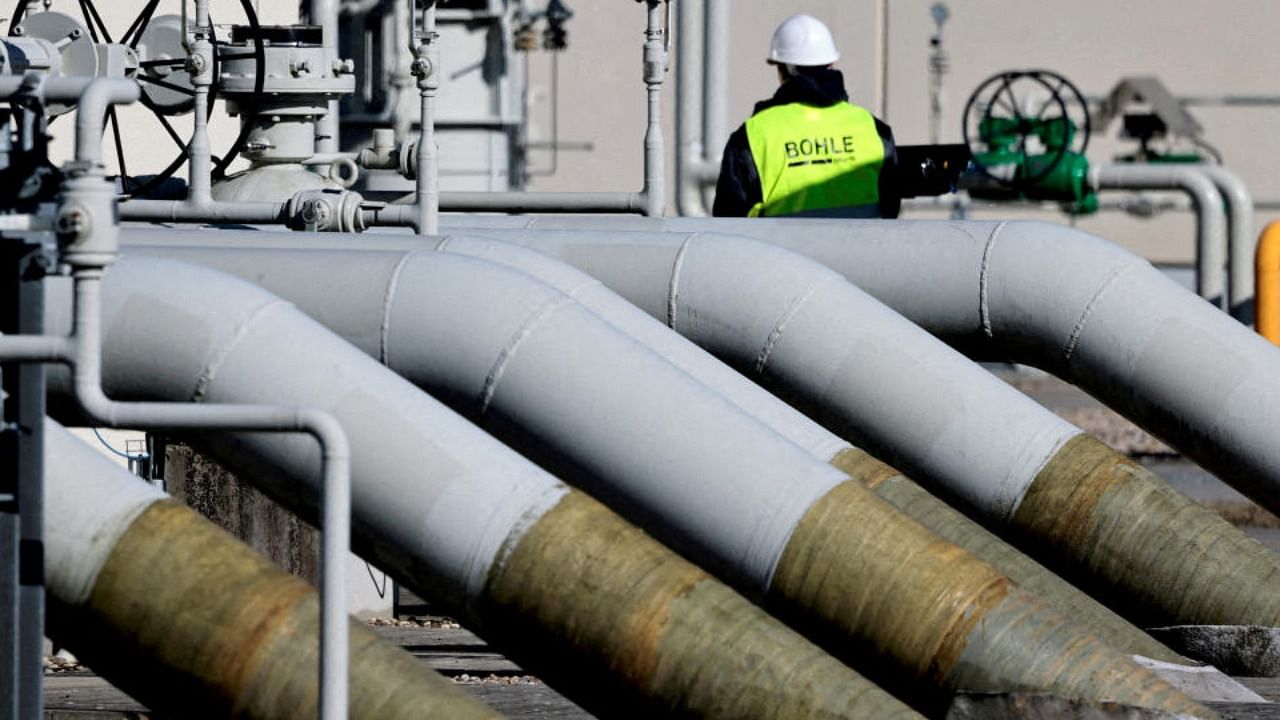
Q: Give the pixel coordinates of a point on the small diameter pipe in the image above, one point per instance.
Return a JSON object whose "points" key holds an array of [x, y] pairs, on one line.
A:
{"points": [[199, 151], [718, 22], [655, 70], [1240, 239], [125, 564], [895, 488], [325, 14], [1267, 268], [426, 67], [689, 149], [1211, 236], [589, 602], [258, 213], [651, 200], [1048, 296], [791, 540]]}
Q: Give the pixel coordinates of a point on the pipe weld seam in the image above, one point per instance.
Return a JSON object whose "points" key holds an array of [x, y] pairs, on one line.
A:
{"points": [[673, 288], [1074, 339], [210, 370], [388, 300], [775, 334], [984, 281], [508, 352]]}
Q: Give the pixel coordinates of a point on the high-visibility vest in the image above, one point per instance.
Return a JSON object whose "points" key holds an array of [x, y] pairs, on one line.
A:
{"points": [[815, 158]]}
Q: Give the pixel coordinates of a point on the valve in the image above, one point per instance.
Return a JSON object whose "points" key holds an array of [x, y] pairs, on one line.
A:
{"points": [[1027, 131]]}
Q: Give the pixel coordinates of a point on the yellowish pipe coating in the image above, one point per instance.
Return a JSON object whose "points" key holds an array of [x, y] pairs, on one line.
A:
{"points": [[661, 638], [1135, 543], [915, 502], [195, 624]]}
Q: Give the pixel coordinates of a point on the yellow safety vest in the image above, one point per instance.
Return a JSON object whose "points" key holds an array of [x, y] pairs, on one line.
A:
{"points": [[815, 158]]}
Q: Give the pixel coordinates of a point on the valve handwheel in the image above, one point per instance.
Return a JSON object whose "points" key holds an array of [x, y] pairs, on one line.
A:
{"points": [[1020, 125], [166, 84]]}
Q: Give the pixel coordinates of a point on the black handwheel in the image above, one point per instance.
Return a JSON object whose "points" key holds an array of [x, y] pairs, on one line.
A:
{"points": [[1011, 110], [163, 87]]}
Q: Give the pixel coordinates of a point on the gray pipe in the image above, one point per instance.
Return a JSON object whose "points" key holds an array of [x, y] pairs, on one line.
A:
{"points": [[124, 562], [689, 148], [1211, 236], [545, 202], [94, 95], [463, 519], [427, 69], [258, 213], [946, 280], [325, 14], [655, 70], [718, 23], [1241, 240], [759, 404], [683, 461]]}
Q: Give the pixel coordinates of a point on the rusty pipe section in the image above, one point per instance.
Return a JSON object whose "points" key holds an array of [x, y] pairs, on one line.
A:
{"points": [[704, 476], [891, 486], [180, 615], [599, 607]]}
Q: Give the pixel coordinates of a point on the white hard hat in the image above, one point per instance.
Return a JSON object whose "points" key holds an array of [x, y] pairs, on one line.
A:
{"points": [[802, 40]]}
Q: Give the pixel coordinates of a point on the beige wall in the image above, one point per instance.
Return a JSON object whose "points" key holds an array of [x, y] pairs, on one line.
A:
{"points": [[1194, 46]]}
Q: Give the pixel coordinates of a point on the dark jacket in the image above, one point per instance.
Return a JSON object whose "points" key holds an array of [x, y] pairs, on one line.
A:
{"points": [[738, 189]]}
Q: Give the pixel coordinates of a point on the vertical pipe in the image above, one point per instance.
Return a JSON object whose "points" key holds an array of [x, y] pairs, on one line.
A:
{"points": [[1211, 240], [427, 69], [1240, 240], [200, 165], [1267, 268], [325, 14], [689, 149], [715, 86], [655, 69], [31, 605]]}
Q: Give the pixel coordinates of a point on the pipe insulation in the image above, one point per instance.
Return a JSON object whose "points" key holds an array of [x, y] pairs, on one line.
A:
{"points": [[1044, 295], [705, 477], [182, 616], [891, 486], [590, 603]]}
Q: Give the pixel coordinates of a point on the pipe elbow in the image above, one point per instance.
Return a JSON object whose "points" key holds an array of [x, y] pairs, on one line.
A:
{"points": [[1040, 283], [725, 288], [94, 102]]}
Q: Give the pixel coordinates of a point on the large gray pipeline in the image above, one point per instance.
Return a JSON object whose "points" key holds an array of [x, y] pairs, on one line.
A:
{"points": [[570, 589], [1044, 275], [701, 474], [782, 418], [126, 565]]}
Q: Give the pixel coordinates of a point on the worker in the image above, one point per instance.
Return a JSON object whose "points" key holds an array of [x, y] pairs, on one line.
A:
{"points": [[807, 150]]}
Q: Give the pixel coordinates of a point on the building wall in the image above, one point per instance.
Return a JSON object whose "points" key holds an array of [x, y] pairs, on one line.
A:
{"points": [[1193, 46]]}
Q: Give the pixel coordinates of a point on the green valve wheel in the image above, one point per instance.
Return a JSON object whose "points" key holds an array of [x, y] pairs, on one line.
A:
{"points": [[1021, 125]]}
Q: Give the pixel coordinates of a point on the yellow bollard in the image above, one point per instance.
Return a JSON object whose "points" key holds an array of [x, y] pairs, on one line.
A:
{"points": [[1267, 285]]}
